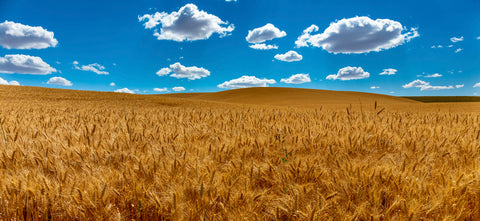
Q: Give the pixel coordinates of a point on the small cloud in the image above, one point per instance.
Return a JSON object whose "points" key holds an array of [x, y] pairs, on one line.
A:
{"points": [[177, 89], [95, 67], [160, 89], [263, 46], [389, 71], [459, 85], [450, 46], [438, 46], [459, 50], [24, 64], [477, 85], [297, 79], [425, 86], [264, 33], [112, 84], [374, 87], [180, 71], [188, 24], [349, 73], [246, 81], [59, 81], [455, 39], [4, 82], [18, 36], [436, 75], [289, 56], [357, 35], [125, 90], [478, 38]]}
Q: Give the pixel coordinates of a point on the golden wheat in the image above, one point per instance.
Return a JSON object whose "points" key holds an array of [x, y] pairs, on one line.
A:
{"points": [[121, 157]]}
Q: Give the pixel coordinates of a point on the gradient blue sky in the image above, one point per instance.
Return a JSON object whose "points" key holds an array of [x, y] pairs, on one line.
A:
{"points": [[109, 33]]}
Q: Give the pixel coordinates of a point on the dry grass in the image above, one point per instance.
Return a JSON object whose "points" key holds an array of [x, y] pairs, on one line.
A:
{"points": [[93, 156]]}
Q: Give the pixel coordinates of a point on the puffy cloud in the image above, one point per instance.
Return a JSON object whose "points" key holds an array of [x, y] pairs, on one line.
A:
{"points": [[289, 56], [459, 50], [459, 85], [177, 89], [389, 71], [425, 86], [125, 90], [438, 46], [24, 64], [18, 36], [349, 73], [264, 33], [357, 35], [95, 67], [478, 38], [297, 79], [246, 81], [436, 75], [302, 40], [59, 81], [477, 85], [455, 39], [112, 84], [263, 46], [188, 24], [4, 82], [180, 71], [161, 89], [374, 87]]}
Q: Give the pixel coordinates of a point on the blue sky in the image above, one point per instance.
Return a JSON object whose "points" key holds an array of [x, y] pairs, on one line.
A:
{"points": [[422, 47]]}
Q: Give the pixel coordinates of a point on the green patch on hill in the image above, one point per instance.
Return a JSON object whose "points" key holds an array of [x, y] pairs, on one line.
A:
{"points": [[439, 99]]}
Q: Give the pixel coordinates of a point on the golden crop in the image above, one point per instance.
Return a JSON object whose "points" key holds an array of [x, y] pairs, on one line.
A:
{"points": [[93, 156]]}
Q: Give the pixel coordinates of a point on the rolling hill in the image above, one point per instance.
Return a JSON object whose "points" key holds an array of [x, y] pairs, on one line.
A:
{"points": [[292, 96]]}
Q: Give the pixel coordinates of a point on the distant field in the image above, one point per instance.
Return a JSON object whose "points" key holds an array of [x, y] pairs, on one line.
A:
{"points": [[79, 155], [439, 99]]}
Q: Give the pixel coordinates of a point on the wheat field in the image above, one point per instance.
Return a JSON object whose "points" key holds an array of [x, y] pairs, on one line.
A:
{"points": [[72, 155]]}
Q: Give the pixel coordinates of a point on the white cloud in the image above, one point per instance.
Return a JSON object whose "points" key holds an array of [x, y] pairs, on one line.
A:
{"points": [[4, 82], [264, 33], [95, 67], [289, 56], [180, 71], [459, 50], [478, 38], [349, 73], [177, 89], [161, 89], [459, 85], [357, 35], [374, 87], [24, 64], [18, 36], [263, 46], [302, 40], [112, 84], [455, 39], [59, 81], [438, 46], [477, 85], [230, 0], [188, 24], [246, 81], [425, 86], [450, 46], [436, 75], [297, 79], [431, 88], [389, 71], [125, 90]]}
